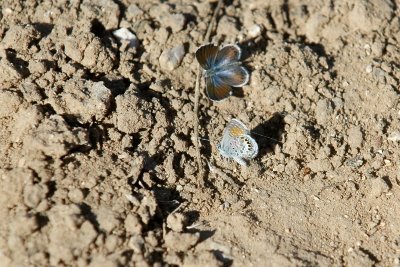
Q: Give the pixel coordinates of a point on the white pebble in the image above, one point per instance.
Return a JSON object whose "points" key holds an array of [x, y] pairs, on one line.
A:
{"points": [[171, 58], [368, 69], [254, 31], [124, 34], [395, 136], [7, 11]]}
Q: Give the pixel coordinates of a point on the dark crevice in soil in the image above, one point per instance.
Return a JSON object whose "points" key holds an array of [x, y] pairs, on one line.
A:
{"points": [[52, 187], [286, 12], [370, 255], [41, 220], [89, 215], [20, 65], [44, 28]]}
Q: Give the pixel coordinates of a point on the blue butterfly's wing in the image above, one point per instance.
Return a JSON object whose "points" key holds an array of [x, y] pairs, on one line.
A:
{"points": [[236, 142], [240, 148], [234, 75], [228, 54], [216, 89], [206, 55], [228, 147], [248, 147], [223, 70], [236, 128]]}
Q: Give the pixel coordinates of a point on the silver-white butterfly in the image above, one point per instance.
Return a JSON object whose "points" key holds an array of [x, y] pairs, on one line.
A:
{"points": [[237, 144]]}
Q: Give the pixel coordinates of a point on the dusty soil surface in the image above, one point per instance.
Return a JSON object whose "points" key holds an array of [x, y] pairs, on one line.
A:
{"points": [[97, 157]]}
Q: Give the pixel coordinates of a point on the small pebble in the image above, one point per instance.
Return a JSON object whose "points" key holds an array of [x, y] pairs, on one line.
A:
{"points": [[378, 48], [179, 188], [395, 136], [156, 86], [111, 243], [124, 34], [355, 137], [34, 194], [75, 195], [254, 31], [368, 69], [323, 111], [355, 162], [170, 59], [176, 22], [378, 187], [387, 162]]}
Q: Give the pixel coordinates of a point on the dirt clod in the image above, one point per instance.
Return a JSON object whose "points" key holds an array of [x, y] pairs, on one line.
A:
{"points": [[54, 137], [87, 49], [181, 241], [20, 38], [177, 222], [379, 186], [133, 113]]}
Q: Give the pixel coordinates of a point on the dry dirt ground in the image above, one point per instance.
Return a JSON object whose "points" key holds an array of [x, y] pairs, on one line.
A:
{"points": [[97, 159]]}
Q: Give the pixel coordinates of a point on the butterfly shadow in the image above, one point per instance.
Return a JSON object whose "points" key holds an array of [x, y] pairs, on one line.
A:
{"points": [[269, 133], [249, 47], [238, 91], [252, 46]]}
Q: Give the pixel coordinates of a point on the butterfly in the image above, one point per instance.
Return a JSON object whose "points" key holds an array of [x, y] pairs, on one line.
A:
{"points": [[237, 143], [222, 69]]}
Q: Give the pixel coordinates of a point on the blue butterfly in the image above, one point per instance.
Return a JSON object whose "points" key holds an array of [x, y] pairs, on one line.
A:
{"points": [[237, 144], [223, 70]]}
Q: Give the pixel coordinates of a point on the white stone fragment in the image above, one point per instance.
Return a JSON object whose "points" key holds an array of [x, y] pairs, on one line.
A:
{"points": [[171, 58], [395, 136], [254, 31], [124, 34], [368, 69]]}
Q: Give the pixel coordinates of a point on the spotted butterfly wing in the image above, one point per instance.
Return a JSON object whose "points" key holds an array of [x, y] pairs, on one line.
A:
{"points": [[237, 143], [236, 128], [248, 146]]}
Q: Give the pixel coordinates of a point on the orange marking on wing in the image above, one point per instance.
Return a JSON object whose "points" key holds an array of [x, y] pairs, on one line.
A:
{"points": [[236, 131]]}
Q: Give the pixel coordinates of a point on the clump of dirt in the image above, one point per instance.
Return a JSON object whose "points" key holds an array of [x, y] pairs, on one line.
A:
{"points": [[98, 165]]}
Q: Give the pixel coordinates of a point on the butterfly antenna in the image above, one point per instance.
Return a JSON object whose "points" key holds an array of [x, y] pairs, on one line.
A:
{"points": [[285, 113], [205, 139], [273, 139]]}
